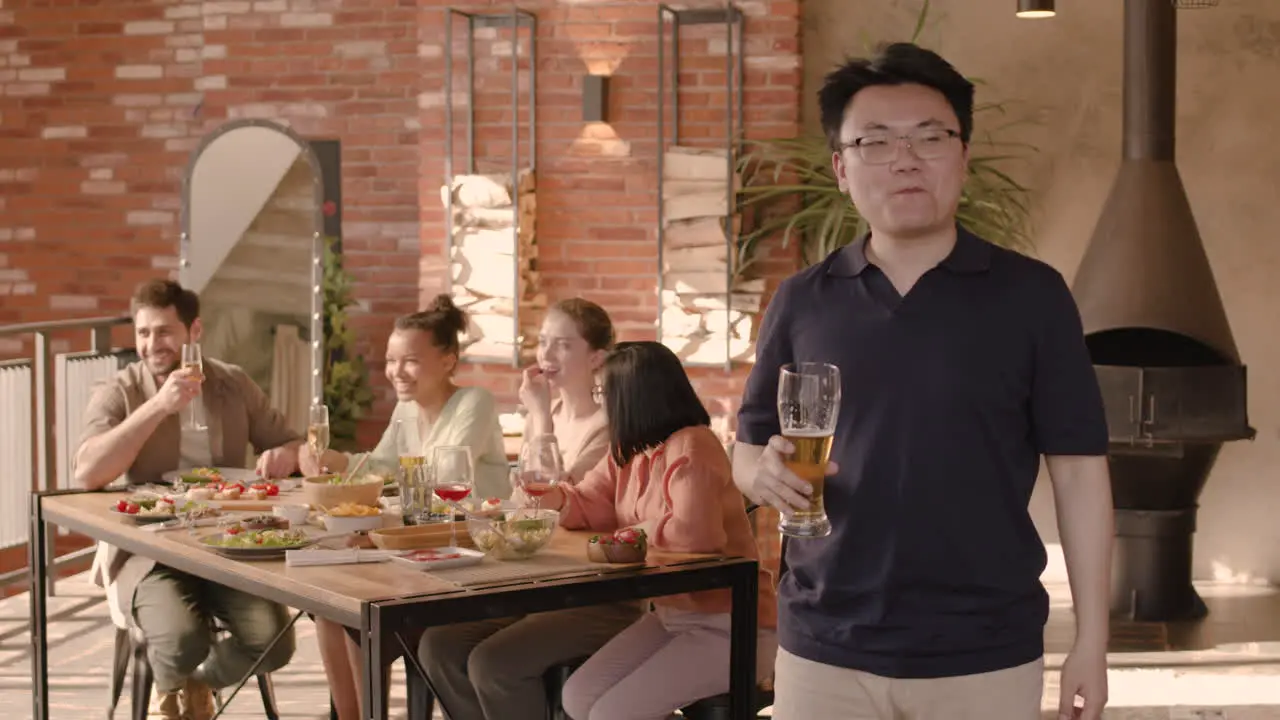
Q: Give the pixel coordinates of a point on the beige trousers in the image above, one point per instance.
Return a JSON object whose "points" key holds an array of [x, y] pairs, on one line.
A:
{"points": [[807, 690]]}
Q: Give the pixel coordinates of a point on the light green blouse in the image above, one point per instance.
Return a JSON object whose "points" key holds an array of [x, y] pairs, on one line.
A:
{"points": [[469, 418]]}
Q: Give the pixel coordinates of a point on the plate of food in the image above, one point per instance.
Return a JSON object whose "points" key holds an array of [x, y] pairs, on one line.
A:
{"points": [[438, 558], [201, 476], [145, 508], [240, 543]]}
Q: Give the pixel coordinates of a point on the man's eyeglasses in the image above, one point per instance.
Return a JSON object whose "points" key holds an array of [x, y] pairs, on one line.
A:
{"points": [[881, 148]]}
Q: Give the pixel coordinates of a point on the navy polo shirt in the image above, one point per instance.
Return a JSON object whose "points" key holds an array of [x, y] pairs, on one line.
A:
{"points": [[950, 395]]}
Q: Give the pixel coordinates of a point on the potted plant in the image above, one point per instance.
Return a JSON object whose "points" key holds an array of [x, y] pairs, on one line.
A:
{"points": [[790, 191], [346, 379]]}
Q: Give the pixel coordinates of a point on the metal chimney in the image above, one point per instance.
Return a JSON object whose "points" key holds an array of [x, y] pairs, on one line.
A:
{"points": [[1171, 376]]}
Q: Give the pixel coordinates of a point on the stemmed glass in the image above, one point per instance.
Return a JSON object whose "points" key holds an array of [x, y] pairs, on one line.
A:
{"points": [[808, 407], [318, 432], [540, 467], [454, 479], [193, 359]]}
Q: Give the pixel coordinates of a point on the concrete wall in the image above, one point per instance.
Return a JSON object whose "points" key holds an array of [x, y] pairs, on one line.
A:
{"points": [[1063, 76]]}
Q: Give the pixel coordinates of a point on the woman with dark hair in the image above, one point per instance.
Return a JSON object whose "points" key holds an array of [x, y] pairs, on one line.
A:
{"points": [[422, 357], [493, 669], [668, 475], [432, 411]]}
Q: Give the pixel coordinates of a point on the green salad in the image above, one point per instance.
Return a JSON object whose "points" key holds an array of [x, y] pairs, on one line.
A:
{"points": [[512, 538], [237, 537]]}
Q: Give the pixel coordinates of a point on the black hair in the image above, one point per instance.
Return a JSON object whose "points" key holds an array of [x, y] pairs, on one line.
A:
{"points": [[162, 294], [442, 320], [899, 63], [648, 398]]}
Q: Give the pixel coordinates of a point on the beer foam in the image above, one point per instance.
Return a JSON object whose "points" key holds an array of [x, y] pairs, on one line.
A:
{"points": [[808, 432]]}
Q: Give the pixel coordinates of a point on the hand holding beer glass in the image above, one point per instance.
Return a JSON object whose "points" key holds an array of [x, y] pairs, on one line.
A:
{"points": [[808, 406]]}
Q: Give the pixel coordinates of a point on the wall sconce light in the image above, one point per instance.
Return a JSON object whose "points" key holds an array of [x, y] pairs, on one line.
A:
{"points": [[1035, 9], [595, 98]]}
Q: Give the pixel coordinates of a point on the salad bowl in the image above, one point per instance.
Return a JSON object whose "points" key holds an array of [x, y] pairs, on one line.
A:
{"points": [[513, 535]]}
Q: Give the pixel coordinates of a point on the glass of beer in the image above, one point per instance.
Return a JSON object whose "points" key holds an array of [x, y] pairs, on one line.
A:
{"points": [[808, 406], [193, 360]]}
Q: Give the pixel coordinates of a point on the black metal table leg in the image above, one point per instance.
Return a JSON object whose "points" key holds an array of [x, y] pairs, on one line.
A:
{"points": [[742, 652], [39, 611], [375, 680]]}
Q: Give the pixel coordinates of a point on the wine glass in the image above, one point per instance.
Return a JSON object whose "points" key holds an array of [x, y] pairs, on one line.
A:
{"points": [[193, 359], [454, 478], [318, 433], [808, 407], [540, 467]]}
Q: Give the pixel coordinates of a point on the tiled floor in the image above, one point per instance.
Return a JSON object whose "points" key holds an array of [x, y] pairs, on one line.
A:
{"points": [[1227, 668]]}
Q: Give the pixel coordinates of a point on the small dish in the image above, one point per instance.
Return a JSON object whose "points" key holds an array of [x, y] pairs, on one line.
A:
{"points": [[295, 514], [353, 523], [440, 558]]}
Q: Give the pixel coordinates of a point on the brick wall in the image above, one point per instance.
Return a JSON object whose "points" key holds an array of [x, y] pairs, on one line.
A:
{"points": [[102, 104]]}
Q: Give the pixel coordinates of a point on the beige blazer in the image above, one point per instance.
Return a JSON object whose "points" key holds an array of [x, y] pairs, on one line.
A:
{"points": [[238, 414]]}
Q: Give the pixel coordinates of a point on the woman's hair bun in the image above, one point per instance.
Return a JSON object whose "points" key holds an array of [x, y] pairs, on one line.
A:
{"points": [[451, 317], [444, 320]]}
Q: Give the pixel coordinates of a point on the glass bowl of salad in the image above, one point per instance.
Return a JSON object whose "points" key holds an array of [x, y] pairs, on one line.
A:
{"points": [[515, 534]]}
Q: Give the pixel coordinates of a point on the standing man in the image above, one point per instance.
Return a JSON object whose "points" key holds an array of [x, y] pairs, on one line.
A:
{"points": [[133, 427], [962, 364]]}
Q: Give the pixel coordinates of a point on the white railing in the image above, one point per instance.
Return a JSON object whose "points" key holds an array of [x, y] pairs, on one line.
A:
{"points": [[16, 468], [42, 400]]}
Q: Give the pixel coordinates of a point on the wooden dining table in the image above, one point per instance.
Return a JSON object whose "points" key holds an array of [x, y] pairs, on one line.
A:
{"points": [[381, 599]]}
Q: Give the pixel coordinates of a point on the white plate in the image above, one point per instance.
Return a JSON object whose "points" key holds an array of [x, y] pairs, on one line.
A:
{"points": [[240, 475], [466, 556]]}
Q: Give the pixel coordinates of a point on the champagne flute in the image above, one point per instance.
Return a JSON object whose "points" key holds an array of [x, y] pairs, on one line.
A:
{"points": [[540, 467], [318, 433], [454, 478], [808, 407], [193, 359]]}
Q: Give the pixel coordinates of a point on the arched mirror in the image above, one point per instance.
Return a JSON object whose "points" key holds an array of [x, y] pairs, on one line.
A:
{"points": [[253, 249]]}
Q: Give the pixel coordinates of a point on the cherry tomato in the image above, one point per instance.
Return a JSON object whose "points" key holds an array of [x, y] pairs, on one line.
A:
{"points": [[122, 505], [132, 508], [273, 490]]}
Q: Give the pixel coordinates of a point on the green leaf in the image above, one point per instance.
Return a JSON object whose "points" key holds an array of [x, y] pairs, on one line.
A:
{"points": [[346, 379]]}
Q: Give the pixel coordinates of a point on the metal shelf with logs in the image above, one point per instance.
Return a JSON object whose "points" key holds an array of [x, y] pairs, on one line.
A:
{"points": [[490, 217], [705, 311]]}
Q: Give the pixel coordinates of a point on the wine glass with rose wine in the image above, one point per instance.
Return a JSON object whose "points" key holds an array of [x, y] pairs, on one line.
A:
{"points": [[540, 467], [193, 360], [454, 479]]}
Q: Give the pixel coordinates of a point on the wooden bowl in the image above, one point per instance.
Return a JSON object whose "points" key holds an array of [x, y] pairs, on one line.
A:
{"points": [[616, 552], [417, 537], [319, 493]]}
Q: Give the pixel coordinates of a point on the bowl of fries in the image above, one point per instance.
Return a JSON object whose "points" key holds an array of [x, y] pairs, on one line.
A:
{"points": [[352, 517]]}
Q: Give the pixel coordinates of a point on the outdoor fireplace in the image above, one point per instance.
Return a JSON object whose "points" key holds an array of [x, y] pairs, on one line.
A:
{"points": [[1171, 377]]}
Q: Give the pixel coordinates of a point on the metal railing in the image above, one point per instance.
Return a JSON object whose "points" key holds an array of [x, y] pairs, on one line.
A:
{"points": [[43, 419]]}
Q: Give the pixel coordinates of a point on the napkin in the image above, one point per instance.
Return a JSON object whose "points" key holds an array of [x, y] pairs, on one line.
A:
{"points": [[349, 556]]}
